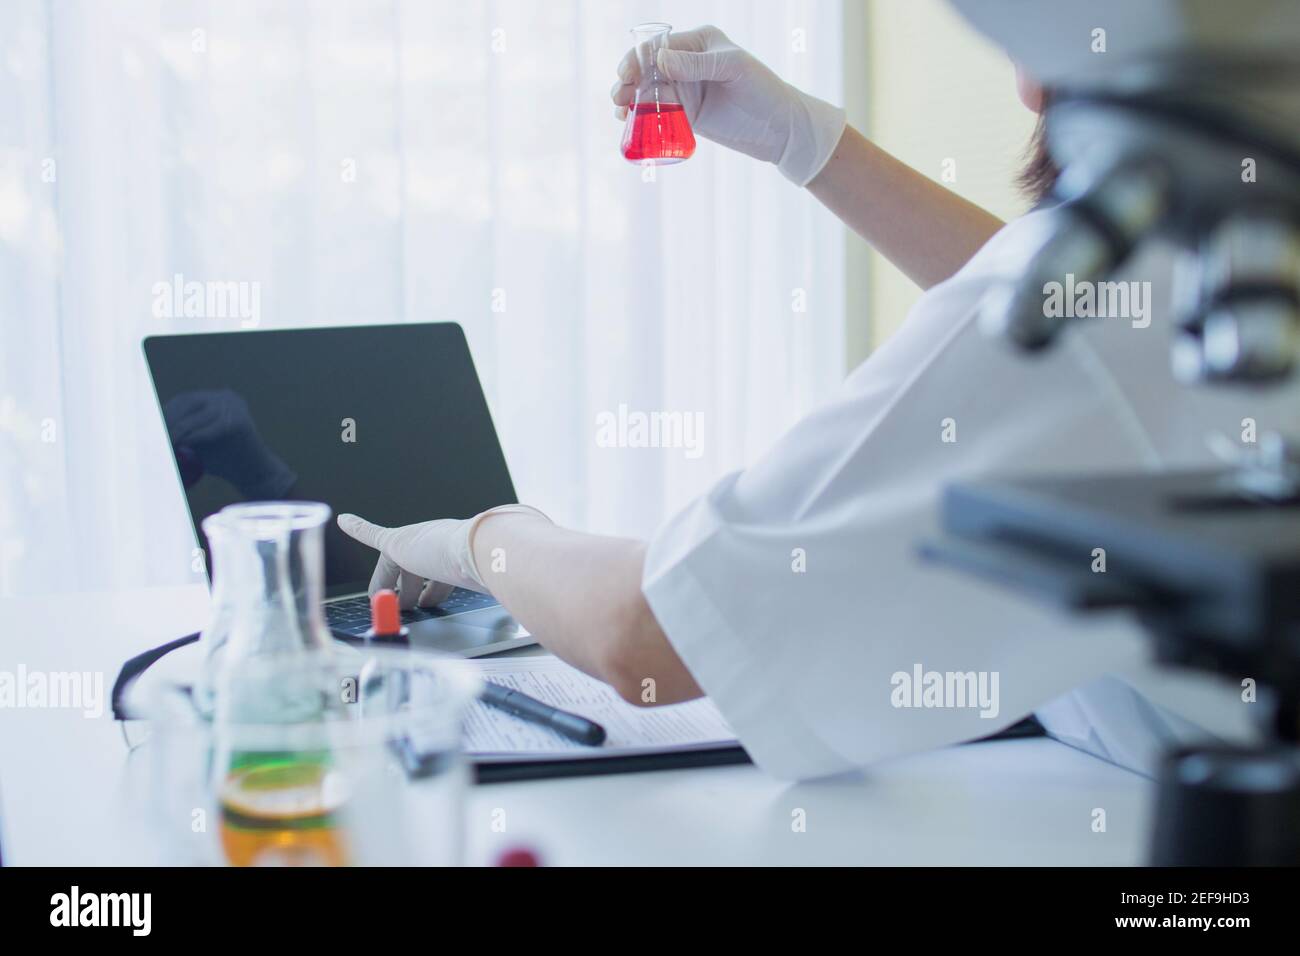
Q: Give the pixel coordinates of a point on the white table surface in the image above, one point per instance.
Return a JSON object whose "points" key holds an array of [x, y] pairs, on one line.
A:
{"points": [[67, 784]]}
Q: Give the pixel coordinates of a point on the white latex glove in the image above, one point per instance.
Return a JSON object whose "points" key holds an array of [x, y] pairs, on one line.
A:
{"points": [[424, 561], [736, 101]]}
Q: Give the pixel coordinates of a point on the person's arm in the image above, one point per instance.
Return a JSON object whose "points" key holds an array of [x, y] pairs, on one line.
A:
{"points": [[926, 230], [732, 98], [580, 596]]}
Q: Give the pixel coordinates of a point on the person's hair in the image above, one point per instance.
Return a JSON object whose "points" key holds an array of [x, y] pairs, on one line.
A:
{"points": [[1040, 171]]}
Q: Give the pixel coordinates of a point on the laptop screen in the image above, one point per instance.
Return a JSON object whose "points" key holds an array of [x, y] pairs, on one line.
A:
{"points": [[387, 422]]}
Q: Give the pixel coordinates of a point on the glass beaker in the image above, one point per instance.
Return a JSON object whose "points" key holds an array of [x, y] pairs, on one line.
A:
{"points": [[268, 563], [658, 131], [374, 778]]}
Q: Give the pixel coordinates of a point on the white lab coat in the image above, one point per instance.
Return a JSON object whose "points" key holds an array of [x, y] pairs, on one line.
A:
{"points": [[792, 590]]}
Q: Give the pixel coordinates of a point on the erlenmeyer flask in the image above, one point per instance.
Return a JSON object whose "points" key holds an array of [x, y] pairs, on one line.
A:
{"points": [[658, 131], [268, 565], [379, 780], [277, 805]]}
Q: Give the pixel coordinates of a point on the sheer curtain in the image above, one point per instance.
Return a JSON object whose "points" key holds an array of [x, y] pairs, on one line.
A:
{"points": [[399, 161]]}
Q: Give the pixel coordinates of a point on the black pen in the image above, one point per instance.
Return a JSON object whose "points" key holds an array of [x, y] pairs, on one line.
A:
{"points": [[520, 705], [386, 624]]}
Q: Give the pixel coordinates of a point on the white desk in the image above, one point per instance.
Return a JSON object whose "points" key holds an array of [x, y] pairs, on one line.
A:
{"points": [[66, 783]]}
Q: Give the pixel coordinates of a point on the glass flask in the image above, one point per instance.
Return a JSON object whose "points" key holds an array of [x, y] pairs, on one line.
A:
{"points": [[658, 131], [267, 587], [375, 778], [295, 750]]}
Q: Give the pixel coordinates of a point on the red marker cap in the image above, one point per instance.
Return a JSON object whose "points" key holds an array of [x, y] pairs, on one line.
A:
{"points": [[385, 614]]}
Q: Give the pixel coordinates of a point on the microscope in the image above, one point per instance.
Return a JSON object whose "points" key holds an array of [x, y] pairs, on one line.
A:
{"points": [[1176, 120]]}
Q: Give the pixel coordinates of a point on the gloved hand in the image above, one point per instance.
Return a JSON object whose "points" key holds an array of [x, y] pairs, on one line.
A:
{"points": [[215, 427], [733, 99], [424, 561]]}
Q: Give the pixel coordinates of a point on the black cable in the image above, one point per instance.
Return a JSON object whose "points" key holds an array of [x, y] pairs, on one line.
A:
{"points": [[137, 666]]}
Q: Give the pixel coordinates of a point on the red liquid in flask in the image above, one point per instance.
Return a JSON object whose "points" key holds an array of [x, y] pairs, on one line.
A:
{"points": [[658, 133]]}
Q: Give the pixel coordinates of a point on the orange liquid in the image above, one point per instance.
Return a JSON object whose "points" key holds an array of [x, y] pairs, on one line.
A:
{"points": [[283, 813], [659, 133]]}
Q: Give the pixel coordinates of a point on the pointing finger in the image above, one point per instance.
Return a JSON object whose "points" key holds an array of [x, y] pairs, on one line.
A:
{"points": [[371, 535]]}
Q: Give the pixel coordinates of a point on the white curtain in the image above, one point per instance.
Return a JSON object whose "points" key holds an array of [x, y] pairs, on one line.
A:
{"points": [[394, 161]]}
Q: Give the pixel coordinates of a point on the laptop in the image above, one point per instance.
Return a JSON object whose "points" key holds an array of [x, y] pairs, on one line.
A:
{"points": [[387, 422]]}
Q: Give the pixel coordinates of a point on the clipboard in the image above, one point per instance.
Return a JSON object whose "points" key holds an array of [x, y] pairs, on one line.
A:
{"points": [[503, 747], [549, 679], [510, 771]]}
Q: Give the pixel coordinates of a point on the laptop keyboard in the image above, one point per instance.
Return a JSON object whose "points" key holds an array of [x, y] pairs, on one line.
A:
{"points": [[352, 615]]}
